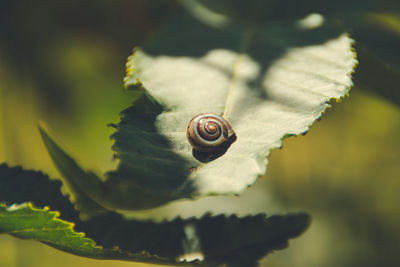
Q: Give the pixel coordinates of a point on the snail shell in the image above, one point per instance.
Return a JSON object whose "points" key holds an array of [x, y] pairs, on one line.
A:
{"points": [[209, 133]]}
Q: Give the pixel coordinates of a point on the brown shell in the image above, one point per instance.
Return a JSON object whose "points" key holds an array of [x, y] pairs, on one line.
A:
{"points": [[209, 133]]}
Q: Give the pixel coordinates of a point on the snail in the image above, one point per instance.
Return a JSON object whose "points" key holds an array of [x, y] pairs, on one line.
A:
{"points": [[209, 133]]}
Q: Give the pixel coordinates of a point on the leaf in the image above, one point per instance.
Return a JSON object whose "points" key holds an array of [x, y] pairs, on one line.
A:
{"points": [[212, 239], [21, 190], [378, 40], [78, 177], [18, 186], [88, 189], [269, 83], [224, 12], [25, 221]]}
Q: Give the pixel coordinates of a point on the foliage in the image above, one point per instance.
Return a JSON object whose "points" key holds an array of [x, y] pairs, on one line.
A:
{"points": [[269, 82], [258, 60], [213, 239]]}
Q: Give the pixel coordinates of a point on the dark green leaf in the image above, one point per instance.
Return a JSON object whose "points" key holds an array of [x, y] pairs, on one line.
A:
{"points": [[213, 239], [378, 41], [235, 12], [27, 222], [18, 186], [78, 177], [270, 82]]}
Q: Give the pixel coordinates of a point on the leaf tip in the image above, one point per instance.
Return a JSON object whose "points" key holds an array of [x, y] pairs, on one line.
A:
{"points": [[42, 126], [45, 134]]}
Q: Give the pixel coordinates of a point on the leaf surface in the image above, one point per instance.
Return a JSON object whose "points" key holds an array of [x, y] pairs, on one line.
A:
{"points": [[37, 210], [269, 82], [77, 177], [27, 222]]}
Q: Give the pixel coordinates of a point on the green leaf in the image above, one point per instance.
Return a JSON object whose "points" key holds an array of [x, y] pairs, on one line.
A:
{"points": [[212, 239], [91, 195], [378, 40], [27, 222], [230, 12], [268, 82], [78, 178], [18, 186], [22, 191]]}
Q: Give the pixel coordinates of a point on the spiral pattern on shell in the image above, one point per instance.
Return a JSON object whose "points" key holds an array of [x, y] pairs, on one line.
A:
{"points": [[209, 133]]}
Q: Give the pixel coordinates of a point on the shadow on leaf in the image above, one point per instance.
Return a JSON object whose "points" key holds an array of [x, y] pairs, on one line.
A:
{"points": [[212, 239]]}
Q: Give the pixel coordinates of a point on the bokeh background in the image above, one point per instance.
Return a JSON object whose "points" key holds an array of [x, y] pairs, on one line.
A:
{"points": [[62, 62]]}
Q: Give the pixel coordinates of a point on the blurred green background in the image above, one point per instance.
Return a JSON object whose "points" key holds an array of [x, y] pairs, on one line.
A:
{"points": [[62, 62]]}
